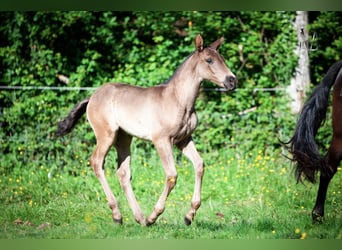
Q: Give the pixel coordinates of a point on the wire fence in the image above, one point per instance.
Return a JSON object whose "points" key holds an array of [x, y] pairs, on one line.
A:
{"points": [[58, 88], [24, 139], [40, 146]]}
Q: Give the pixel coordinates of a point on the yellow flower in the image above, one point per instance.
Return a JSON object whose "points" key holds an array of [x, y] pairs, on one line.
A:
{"points": [[303, 236], [297, 231], [87, 218]]}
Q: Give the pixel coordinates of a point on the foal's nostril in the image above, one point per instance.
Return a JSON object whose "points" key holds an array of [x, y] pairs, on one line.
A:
{"points": [[232, 79]]}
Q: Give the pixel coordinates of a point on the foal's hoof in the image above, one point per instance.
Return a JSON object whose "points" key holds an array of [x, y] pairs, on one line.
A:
{"points": [[187, 221], [141, 222], [149, 222], [118, 221]]}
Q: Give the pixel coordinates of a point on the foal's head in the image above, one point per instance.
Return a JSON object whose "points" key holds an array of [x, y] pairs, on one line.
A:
{"points": [[211, 65]]}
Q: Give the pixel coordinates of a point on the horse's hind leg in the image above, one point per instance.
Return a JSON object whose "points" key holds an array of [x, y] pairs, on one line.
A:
{"points": [[122, 146], [334, 155], [189, 150], [104, 142], [334, 158]]}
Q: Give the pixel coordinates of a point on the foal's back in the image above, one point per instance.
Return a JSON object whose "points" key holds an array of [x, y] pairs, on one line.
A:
{"points": [[136, 110]]}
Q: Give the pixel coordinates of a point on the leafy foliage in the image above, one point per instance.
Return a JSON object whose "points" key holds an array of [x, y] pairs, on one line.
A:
{"points": [[145, 48]]}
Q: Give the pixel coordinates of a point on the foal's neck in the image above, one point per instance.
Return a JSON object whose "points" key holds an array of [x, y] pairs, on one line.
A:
{"points": [[186, 83]]}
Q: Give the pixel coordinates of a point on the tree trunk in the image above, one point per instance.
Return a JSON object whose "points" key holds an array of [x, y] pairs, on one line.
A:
{"points": [[301, 80]]}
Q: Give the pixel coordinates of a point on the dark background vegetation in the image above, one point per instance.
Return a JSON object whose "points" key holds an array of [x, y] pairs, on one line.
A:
{"points": [[145, 48]]}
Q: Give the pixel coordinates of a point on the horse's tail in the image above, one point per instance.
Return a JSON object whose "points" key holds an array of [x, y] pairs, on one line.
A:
{"points": [[302, 145], [67, 124]]}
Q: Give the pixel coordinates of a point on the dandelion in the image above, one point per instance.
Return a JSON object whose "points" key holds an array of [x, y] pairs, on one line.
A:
{"points": [[297, 231], [282, 170], [303, 236], [30, 203], [87, 218], [258, 158]]}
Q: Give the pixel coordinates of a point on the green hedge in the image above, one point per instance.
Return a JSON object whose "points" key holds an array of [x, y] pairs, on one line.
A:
{"points": [[145, 48]]}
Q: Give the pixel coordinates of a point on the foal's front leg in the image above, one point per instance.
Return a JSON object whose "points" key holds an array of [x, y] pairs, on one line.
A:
{"points": [[164, 148], [189, 150]]}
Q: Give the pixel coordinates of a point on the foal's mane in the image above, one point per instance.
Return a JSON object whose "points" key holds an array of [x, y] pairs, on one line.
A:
{"points": [[178, 69]]}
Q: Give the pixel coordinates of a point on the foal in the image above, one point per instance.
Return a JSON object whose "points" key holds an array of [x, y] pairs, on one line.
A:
{"points": [[163, 114]]}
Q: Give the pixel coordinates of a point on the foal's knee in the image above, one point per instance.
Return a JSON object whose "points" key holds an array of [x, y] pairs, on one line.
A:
{"points": [[171, 180]]}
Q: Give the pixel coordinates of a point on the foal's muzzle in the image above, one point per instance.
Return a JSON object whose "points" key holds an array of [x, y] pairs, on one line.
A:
{"points": [[230, 82]]}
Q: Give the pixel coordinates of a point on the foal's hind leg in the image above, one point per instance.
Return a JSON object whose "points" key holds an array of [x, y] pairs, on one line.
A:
{"points": [[334, 158], [122, 146], [189, 150], [104, 142]]}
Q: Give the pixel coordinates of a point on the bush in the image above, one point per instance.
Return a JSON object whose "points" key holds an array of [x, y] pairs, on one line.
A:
{"points": [[145, 48]]}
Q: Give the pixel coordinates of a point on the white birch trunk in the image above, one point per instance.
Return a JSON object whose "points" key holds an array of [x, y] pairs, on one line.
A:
{"points": [[301, 80]]}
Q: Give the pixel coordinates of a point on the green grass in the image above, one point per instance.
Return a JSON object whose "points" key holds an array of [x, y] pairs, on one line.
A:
{"points": [[245, 196]]}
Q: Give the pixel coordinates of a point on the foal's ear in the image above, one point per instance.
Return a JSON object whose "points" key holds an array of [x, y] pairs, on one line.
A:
{"points": [[199, 43], [215, 45]]}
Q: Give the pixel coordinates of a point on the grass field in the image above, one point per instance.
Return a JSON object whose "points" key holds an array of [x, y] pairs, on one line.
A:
{"points": [[246, 195]]}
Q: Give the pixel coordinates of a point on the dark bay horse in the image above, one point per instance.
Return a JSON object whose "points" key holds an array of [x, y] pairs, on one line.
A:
{"points": [[302, 145], [163, 114]]}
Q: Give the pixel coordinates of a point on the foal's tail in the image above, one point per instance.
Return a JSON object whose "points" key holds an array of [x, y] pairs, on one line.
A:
{"points": [[302, 145], [67, 124]]}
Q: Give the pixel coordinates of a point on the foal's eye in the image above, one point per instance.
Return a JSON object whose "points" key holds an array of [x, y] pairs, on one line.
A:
{"points": [[209, 61]]}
